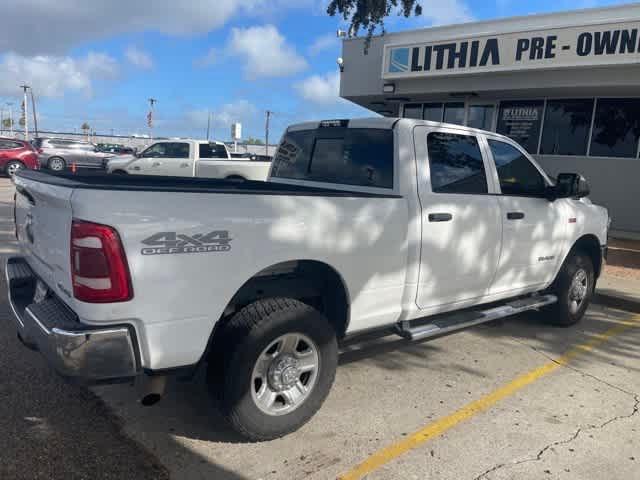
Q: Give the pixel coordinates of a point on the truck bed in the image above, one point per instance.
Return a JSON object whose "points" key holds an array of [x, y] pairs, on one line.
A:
{"points": [[153, 183]]}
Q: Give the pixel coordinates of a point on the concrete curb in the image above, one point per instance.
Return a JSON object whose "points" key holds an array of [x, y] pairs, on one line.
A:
{"points": [[619, 302]]}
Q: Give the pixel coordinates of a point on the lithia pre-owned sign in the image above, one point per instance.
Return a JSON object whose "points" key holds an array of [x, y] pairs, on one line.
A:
{"points": [[595, 45]]}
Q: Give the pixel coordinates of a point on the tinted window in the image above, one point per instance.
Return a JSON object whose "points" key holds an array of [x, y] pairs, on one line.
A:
{"points": [[454, 113], [566, 127], [60, 143], [9, 144], [456, 164], [480, 116], [413, 110], [518, 176], [616, 128], [212, 150], [521, 121], [433, 112], [168, 150], [292, 157], [350, 156]]}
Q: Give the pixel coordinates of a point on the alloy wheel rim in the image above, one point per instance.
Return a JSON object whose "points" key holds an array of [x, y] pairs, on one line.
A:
{"points": [[13, 168], [285, 374], [56, 164], [578, 290]]}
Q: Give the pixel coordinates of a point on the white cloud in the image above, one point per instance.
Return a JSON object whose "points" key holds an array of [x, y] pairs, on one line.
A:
{"points": [[138, 58], [208, 59], [323, 42], [51, 76], [446, 12], [265, 51], [241, 111], [321, 89], [53, 26]]}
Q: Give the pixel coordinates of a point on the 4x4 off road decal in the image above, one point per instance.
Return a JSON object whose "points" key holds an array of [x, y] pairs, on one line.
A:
{"points": [[164, 243]]}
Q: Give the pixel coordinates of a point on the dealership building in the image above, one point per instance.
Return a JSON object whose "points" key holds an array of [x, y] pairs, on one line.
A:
{"points": [[566, 86]]}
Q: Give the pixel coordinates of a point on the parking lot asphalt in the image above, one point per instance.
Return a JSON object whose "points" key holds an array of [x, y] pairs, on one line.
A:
{"points": [[514, 399]]}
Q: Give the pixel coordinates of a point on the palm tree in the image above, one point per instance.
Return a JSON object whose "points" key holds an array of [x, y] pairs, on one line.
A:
{"points": [[86, 128]]}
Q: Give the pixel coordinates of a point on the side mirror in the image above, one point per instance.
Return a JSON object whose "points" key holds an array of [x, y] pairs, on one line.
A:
{"points": [[572, 185]]}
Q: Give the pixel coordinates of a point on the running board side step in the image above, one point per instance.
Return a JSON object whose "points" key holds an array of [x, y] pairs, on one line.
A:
{"points": [[461, 320]]}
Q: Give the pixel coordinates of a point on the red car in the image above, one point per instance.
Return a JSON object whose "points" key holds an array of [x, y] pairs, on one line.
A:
{"points": [[16, 154]]}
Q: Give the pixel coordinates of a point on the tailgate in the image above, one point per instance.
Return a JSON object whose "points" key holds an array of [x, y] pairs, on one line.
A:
{"points": [[43, 224]]}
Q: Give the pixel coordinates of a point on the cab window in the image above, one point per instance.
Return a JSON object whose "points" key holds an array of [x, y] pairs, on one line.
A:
{"points": [[518, 176], [455, 163]]}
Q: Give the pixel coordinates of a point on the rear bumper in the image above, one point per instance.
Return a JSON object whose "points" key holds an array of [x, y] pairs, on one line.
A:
{"points": [[75, 350]]}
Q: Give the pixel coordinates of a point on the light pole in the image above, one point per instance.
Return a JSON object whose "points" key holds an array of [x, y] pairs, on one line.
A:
{"points": [[266, 131], [152, 102], [25, 109], [35, 117]]}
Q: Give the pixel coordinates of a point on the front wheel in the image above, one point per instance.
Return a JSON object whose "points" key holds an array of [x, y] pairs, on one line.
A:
{"points": [[12, 168], [56, 164], [275, 368], [574, 288]]}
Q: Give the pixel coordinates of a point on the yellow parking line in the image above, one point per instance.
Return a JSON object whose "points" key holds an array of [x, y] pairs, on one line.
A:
{"points": [[440, 426]]}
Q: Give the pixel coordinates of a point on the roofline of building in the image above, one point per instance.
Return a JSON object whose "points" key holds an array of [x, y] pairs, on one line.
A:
{"points": [[528, 17]]}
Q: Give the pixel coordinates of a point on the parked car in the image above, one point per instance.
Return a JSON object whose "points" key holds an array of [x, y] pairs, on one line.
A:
{"points": [[57, 154], [15, 155], [116, 149], [408, 226], [190, 158]]}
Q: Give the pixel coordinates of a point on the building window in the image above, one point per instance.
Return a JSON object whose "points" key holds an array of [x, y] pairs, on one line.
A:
{"points": [[456, 164], [413, 110], [480, 116], [433, 112], [566, 127], [616, 128], [454, 113], [520, 121]]}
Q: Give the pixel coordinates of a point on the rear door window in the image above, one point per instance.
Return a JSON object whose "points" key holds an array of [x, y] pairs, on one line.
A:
{"points": [[350, 156], [455, 163], [212, 150]]}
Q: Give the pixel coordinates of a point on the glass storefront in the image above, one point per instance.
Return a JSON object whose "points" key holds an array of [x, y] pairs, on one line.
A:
{"points": [[600, 127]]}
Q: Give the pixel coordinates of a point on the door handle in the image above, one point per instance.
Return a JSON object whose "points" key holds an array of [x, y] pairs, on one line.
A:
{"points": [[440, 217], [515, 215], [184, 165], [156, 164]]}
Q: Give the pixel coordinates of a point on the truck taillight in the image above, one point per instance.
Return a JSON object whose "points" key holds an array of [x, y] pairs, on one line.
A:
{"points": [[99, 269]]}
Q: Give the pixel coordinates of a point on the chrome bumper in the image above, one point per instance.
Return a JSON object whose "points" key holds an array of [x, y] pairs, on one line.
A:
{"points": [[75, 350]]}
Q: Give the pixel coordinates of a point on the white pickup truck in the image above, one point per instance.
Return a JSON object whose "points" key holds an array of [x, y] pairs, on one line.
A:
{"points": [[189, 158], [408, 226]]}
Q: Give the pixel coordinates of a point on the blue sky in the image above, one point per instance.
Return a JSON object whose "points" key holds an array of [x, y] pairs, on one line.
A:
{"points": [[100, 61]]}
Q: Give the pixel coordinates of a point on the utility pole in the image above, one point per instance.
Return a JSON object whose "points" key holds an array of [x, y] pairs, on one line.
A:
{"points": [[152, 102], [266, 143], [1, 121], [35, 117], [25, 108], [10, 105], [208, 123]]}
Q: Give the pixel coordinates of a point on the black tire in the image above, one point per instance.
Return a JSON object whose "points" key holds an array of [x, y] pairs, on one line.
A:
{"points": [[244, 340], [54, 162], [567, 311], [12, 167], [119, 172]]}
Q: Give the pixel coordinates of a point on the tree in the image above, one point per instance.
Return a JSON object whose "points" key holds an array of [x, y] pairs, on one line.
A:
{"points": [[7, 123], [370, 14], [85, 127], [254, 141]]}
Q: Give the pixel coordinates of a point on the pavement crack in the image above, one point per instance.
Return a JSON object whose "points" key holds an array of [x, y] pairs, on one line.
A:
{"points": [[573, 437], [579, 431]]}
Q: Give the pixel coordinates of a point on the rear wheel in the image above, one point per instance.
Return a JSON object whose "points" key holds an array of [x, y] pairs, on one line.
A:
{"points": [[574, 288], [275, 367], [57, 164], [12, 167]]}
